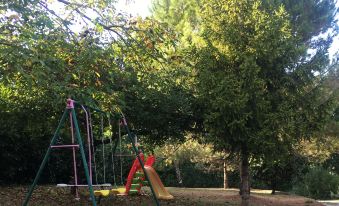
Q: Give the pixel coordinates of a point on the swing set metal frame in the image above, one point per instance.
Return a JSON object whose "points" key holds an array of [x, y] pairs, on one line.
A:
{"points": [[70, 111]]}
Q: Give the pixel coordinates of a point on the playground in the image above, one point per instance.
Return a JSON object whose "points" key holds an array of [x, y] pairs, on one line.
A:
{"points": [[143, 185], [169, 102], [141, 172]]}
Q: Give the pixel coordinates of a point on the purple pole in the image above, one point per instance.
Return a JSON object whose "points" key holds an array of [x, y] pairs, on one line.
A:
{"points": [[89, 145]]}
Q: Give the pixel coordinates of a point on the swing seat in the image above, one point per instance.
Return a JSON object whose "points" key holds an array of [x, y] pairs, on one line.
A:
{"points": [[106, 185], [119, 191], [101, 193]]}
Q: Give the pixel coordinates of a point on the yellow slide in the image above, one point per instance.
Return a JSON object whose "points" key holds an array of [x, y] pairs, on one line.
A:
{"points": [[159, 189]]}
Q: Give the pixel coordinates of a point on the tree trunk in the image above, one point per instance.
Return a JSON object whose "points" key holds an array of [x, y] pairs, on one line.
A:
{"points": [[225, 175], [244, 179], [273, 186], [273, 192], [178, 173]]}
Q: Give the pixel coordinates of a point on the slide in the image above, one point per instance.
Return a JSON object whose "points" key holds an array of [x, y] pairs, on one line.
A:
{"points": [[159, 189]]}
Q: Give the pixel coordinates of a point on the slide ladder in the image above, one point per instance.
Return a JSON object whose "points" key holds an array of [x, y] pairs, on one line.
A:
{"points": [[136, 179]]}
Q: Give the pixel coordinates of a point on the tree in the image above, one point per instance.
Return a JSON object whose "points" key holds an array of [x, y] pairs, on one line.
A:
{"points": [[105, 59], [112, 60], [257, 81], [306, 19], [182, 16]]}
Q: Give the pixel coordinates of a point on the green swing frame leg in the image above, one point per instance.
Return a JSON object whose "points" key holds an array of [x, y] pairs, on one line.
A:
{"points": [[141, 162], [44, 161]]}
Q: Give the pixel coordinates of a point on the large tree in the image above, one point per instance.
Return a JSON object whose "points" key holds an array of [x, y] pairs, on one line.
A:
{"points": [[257, 80], [256, 72]]}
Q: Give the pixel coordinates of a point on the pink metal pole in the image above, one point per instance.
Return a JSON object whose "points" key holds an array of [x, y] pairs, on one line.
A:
{"points": [[124, 121], [89, 144], [74, 157]]}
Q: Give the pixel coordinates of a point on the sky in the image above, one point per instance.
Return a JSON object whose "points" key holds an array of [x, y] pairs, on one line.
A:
{"points": [[135, 7]]}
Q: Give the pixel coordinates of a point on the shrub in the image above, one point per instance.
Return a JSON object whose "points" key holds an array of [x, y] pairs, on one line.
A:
{"points": [[332, 163], [318, 183]]}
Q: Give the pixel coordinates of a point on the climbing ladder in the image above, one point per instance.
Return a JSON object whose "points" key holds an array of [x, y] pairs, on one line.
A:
{"points": [[136, 177], [137, 182]]}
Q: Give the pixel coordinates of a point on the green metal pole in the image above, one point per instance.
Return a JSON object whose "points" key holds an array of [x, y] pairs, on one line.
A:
{"points": [[116, 141], [84, 161], [56, 133], [140, 161]]}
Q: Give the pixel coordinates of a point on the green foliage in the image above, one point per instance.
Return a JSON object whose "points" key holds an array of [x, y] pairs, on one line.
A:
{"points": [[309, 18], [183, 16], [318, 183], [188, 151], [257, 83], [279, 173], [176, 163], [235, 77], [332, 163], [116, 67], [192, 176], [105, 60], [254, 74]]}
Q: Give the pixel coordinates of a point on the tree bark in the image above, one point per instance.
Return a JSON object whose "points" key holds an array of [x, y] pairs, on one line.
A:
{"points": [[178, 173], [273, 192], [225, 175], [244, 179], [273, 186]]}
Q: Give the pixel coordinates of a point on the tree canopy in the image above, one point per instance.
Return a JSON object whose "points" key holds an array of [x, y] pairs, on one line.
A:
{"points": [[112, 61], [258, 83]]}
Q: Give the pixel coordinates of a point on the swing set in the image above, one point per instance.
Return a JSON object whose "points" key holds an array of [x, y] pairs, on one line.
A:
{"points": [[140, 174]]}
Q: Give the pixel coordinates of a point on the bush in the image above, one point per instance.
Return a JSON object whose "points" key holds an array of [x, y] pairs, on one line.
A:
{"points": [[192, 175], [233, 178], [280, 173], [332, 163], [318, 183]]}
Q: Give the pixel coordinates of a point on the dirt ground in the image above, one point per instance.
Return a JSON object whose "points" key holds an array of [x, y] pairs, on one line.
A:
{"points": [[50, 195]]}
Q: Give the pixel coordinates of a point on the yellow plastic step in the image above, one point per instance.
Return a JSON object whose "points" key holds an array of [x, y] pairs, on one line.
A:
{"points": [[117, 191], [101, 193]]}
